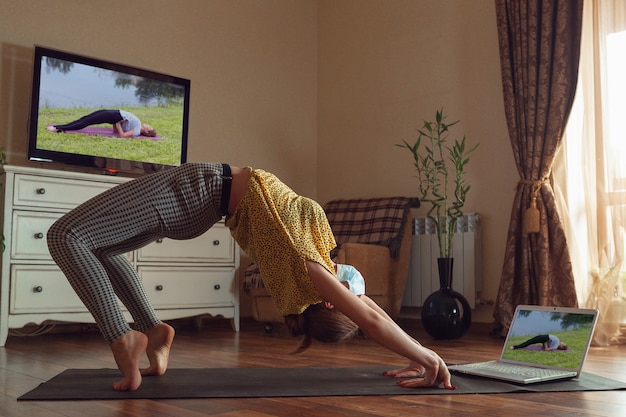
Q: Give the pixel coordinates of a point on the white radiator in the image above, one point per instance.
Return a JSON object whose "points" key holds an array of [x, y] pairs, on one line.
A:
{"points": [[423, 277]]}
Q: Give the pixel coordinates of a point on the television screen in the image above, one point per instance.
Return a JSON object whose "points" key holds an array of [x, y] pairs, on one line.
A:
{"points": [[102, 115]]}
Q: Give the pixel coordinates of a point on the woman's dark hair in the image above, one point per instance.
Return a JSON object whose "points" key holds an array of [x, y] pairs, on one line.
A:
{"points": [[322, 324]]}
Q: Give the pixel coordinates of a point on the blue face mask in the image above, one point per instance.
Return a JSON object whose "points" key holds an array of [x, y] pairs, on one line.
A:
{"points": [[351, 276]]}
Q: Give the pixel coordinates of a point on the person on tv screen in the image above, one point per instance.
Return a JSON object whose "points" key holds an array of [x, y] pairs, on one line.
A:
{"points": [[125, 124], [286, 234], [549, 342]]}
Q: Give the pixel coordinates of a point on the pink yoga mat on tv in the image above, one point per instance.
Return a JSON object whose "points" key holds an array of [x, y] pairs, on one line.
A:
{"points": [[106, 131]]}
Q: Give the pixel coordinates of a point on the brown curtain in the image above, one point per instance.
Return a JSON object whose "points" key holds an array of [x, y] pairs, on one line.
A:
{"points": [[539, 51]]}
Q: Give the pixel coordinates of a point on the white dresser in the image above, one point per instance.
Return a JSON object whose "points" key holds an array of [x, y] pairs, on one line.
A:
{"points": [[182, 278]]}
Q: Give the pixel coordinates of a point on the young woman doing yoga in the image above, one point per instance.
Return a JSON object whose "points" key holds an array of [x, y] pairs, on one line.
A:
{"points": [[125, 124], [549, 342], [287, 235]]}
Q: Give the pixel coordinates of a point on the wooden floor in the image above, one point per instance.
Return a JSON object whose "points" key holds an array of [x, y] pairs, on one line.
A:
{"points": [[25, 362]]}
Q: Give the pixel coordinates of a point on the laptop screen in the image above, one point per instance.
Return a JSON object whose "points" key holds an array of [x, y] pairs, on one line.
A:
{"points": [[550, 337]]}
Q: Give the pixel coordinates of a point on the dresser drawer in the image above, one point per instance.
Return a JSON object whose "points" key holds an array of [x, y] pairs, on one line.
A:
{"points": [[188, 287], [52, 192], [29, 234], [216, 245], [41, 289]]}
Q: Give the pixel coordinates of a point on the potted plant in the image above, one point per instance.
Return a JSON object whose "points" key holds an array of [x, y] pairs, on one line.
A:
{"points": [[440, 166]]}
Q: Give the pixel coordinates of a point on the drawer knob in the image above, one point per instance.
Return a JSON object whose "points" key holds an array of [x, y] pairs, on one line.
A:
{"points": [[216, 287], [40, 191], [38, 288], [159, 288], [216, 242], [39, 235]]}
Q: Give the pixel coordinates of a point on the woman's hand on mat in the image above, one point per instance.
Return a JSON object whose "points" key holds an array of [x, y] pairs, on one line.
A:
{"points": [[422, 377]]}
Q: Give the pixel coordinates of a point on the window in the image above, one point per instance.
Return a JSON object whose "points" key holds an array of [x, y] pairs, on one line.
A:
{"points": [[590, 171]]}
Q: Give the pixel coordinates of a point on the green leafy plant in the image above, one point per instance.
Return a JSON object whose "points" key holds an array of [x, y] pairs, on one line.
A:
{"points": [[440, 173]]}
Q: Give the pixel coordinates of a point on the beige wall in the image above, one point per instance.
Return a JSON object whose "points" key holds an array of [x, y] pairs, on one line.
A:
{"points": [[316, 91], [252, 66]]}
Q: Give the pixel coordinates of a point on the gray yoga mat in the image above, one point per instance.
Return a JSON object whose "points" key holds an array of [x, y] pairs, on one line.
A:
{"points": [[95, 384]]}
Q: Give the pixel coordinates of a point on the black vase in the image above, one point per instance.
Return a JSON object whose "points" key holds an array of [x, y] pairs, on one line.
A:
{"points": [[446, 314]]}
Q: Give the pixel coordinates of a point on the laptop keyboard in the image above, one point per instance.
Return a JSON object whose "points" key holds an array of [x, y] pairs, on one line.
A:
{"points": [[508, 368]]}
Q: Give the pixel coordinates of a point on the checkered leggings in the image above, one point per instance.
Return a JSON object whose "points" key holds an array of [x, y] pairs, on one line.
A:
{"points": [[89, 242]]}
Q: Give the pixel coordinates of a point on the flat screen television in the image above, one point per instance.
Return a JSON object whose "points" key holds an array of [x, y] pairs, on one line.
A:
{"points": [[68, 86]]}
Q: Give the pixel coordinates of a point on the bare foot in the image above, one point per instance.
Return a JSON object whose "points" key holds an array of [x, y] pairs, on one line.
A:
{"points": [[160, 339], [127, 351], [52, 129]]}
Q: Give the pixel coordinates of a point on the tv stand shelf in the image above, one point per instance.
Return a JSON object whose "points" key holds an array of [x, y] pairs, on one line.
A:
{"points": [[185, 278]]}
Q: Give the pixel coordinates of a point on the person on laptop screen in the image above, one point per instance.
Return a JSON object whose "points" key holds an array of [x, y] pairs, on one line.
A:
{"points": [[549, 343]]}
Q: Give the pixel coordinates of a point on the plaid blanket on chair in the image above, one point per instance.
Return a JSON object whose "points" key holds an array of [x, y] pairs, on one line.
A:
{"points": [[378, 221]]}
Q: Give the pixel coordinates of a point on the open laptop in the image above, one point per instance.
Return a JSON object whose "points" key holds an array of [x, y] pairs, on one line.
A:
{"points": [[543, 344]]}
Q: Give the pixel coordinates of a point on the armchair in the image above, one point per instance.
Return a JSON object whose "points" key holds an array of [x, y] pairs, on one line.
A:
{"points": [[374, 235]]}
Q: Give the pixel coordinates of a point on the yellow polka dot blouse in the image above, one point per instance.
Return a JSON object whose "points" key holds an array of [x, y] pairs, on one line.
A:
{"points": [[280, 230]]}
